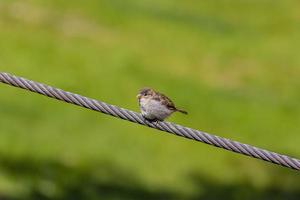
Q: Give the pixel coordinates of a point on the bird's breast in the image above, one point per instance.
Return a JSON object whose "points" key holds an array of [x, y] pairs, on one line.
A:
{"points": [[153, 109]]}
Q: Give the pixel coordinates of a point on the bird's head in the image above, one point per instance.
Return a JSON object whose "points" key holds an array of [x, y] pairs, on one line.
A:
{"points": [[145, 93]]}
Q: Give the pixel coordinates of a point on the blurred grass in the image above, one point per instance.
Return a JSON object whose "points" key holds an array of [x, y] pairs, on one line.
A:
{"points": [[233, 65]]}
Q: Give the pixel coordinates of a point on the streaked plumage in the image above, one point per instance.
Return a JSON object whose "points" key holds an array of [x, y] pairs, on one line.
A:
{"points": [[156, 106]]}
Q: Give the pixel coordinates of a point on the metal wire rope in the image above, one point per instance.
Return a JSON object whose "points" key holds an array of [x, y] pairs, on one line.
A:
{"points": [[135, 117]]}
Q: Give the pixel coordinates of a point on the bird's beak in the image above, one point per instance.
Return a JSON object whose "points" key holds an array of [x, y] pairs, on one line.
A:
{"points": [[138, 96]]}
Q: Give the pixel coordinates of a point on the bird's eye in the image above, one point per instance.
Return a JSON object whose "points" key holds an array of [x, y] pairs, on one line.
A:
{"points": [[145, 94]]}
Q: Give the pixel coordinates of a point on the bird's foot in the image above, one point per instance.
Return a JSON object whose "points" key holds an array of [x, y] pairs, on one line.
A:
{"points": [[152, 121]]}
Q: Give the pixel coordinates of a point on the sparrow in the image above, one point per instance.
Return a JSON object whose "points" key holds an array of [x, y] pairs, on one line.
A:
{"points": [[155, 106]]}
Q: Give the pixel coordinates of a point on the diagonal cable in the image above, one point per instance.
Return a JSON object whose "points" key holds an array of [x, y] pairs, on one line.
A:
{"points": [[135, 117]]}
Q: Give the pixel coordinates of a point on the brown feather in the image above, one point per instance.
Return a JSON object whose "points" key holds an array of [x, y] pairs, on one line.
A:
{"points": [[162, 98]]}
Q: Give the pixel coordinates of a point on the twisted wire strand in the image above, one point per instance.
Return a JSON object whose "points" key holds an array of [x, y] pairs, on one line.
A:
{"points": [[169, 127]]}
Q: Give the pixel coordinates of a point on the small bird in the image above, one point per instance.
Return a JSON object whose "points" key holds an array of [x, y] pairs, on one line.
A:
{"points": [[155, 106]]}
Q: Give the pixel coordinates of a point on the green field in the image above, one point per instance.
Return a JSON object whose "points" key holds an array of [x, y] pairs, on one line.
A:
{"points": [[234, 65]]}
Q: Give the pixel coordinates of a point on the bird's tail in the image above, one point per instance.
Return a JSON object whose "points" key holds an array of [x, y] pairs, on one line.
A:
{"points": [[182, 111]]}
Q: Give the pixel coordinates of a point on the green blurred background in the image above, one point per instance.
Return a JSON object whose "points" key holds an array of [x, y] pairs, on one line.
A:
{"points": [[233, 64]]}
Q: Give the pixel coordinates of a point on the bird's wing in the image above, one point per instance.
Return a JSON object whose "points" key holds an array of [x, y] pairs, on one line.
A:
{"points": [[166, 101]]}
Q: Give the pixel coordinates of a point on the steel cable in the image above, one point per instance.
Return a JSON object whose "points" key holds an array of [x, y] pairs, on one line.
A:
{"points": [[135, 117]]}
